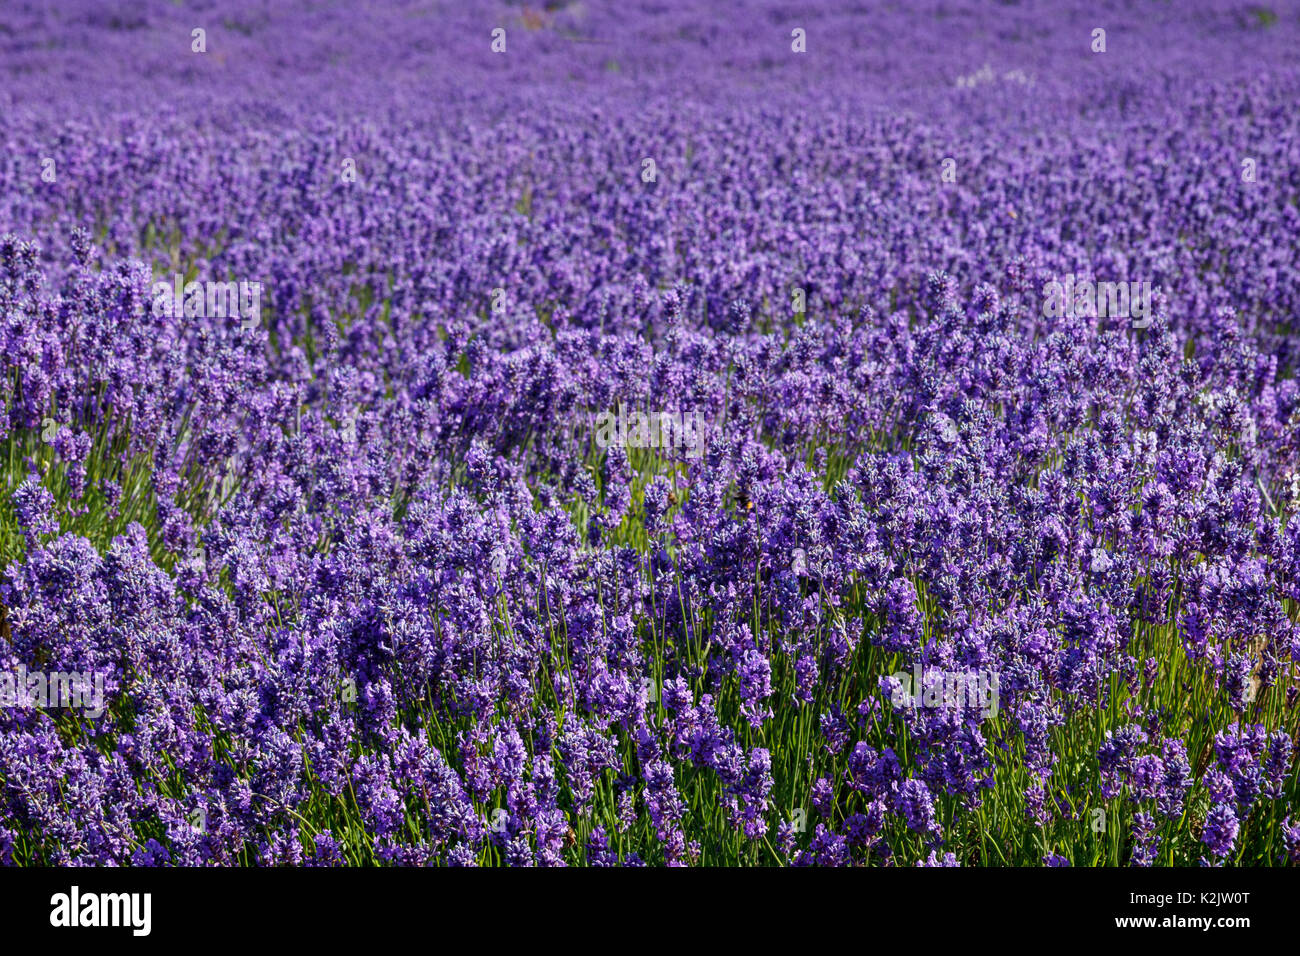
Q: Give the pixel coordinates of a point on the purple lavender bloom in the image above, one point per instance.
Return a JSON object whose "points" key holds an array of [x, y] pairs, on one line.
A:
{"points": [[1219, 832]]}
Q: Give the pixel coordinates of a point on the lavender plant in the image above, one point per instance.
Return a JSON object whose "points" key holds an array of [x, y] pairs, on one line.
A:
{"points": [[896, 563]]}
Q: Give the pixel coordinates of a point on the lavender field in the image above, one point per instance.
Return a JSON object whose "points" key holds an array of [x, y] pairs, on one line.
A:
{"points": [[654, 434]]}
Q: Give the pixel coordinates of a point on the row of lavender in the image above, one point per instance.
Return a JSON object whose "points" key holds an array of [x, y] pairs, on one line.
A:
{"points": [[565, 474]]}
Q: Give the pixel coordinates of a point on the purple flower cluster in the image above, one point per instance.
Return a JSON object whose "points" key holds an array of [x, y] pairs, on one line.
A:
{"points": [[364, 587]]}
